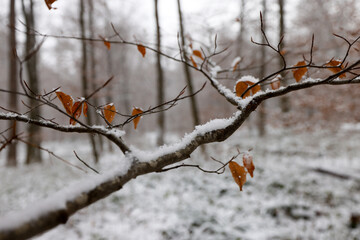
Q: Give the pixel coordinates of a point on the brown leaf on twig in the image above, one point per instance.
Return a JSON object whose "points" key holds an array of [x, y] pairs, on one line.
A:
{"points": [[66, 100], [85, 109], [241, 87], [137, 119], [106, 42], [248, 163], [299, 72], [333, 67], [109, 112], [198, 54], [76, 111], [193, 62], [49, 3], [141, 49], [238, 172]]}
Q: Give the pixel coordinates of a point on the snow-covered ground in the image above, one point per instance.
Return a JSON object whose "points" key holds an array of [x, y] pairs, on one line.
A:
{"points": [[286, 199]]}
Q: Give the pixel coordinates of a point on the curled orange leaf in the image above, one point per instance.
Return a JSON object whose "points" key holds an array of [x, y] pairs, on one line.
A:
{"points": [[299, 72], [85, 109], [66, 100], [141, 49], [137, 119], [275, 84], [238, 172], [198, 54], [248, 163], [109, 112], [334, 66], [242, 85], [193, 62], [106, 42], [76, 111], [236, 63], [49, 3]]}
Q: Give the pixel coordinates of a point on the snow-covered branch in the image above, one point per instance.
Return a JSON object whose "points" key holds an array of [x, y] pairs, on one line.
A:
{"points": [[113, 135], [59, 207]]}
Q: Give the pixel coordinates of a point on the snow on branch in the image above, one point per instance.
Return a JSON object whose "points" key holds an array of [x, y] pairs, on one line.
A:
{"points": [[113, 134], [58, 208]]}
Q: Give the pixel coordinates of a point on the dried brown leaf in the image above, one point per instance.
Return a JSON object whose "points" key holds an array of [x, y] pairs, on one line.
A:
{"points": [[333, 67], [299, 72], [238, 172], [141, 49], [137, 119], [109, 112], [66, 100]]}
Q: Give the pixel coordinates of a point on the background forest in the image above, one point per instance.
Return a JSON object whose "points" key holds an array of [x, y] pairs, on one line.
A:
{"points": [[305, 144]]}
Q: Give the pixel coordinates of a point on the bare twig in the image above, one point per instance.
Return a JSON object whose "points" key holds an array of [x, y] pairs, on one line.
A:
{"points": [[51, 153], [87, 165]]}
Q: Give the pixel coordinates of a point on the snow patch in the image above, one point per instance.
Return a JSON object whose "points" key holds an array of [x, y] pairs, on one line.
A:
{"points": [[212, 125], [58, 200]]}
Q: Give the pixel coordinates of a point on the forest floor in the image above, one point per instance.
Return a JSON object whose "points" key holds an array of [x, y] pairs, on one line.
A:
{"points": [[286, 199]]}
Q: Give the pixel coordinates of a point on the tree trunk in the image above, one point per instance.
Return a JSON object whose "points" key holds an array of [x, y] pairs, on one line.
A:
{"points": [[84, 77], [284, 100], [33, 153], [93, 75], [241, 30], [262, 107], [189, 80], [11, 154], [160, 80]]}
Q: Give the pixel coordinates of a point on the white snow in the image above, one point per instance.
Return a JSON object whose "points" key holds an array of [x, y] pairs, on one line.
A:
{"points": [[58, 200], [214, 71], [235, 61], [247, 78], [146, 156], [284, 200]]}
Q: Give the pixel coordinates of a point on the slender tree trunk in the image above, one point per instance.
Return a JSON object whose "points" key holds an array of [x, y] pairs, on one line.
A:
{"points": [[189, 80], [284, 101], [241, 30], [93, 75], [11, 154], [160, 80], [33, 153], [84, 77], [262, 107]]}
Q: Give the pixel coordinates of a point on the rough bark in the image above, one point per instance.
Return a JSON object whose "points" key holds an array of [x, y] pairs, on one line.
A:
{"points": [[33, 153], [160, 79], [188, 77], [12, 83]]}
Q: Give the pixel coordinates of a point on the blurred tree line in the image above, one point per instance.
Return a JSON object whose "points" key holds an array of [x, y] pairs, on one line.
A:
{"points": [[80, 66]]}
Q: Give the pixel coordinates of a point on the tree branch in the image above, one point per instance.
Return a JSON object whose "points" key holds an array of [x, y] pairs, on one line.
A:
{"points": [[113, 135], [36, 219]]}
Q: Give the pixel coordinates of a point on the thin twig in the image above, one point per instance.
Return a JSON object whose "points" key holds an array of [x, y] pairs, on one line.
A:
{"points": [[87, 165]]}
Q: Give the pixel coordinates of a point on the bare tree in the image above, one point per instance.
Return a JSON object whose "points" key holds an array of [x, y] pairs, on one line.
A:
{"points": [[84, 72], [284, 101], [262, 107], [13, 84], [160, 79], [33, 154], [93, 73], [240, 38], [189, 80]]}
